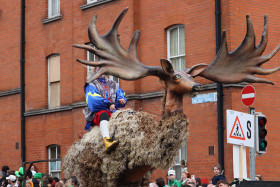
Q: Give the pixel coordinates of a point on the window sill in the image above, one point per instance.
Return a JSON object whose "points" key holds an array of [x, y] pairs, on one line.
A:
{"points": [[58, 109], [48, 20], [10, 92], [86, 6]]}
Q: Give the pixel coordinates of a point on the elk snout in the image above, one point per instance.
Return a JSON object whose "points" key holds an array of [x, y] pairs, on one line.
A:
{"points": [[196, 87]]}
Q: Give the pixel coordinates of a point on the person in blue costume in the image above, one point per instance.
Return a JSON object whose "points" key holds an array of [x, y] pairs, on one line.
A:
{"points": [[103, 97]]}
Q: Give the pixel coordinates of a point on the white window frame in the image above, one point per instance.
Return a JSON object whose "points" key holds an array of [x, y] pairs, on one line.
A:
{"points": [[91, 1], [88, 59], [116, 79], [58, 163], [169, 57], [94, 58], [49, 83], [178, 160], [50, 10]]}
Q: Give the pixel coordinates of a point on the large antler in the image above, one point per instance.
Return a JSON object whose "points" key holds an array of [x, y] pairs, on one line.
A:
{"points": [[114, 60], [241, 64], [234, 67]]}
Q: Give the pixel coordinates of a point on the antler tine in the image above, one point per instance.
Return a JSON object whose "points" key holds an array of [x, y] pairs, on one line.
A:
{"points": [[266, 58], [262, 45], [100, 41], [94, 37], [253, 79], [114, 30], [108, 42], [250, 30], [115, 60], [223, 52], [91, 63], [262, 71], [241, 64], [132, 49], [91, 49], [248, 43]]}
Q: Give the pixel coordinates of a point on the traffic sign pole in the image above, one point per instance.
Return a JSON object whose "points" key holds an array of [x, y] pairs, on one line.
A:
{"points": [[248, 96], [252, 153], [240, 162]]}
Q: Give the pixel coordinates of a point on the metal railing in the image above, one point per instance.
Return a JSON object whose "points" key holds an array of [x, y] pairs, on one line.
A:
{"points": [[31, 163]]}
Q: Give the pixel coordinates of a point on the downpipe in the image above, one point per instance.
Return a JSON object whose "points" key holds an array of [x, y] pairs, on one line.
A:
{"points": [[219, 87]]}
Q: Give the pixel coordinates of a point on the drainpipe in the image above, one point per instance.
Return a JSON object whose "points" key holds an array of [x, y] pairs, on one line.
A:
{"points": [[22, 79], [219, 87]]}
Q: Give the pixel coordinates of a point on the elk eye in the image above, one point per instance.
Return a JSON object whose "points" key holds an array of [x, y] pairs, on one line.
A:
{"points": [[177, 76]]}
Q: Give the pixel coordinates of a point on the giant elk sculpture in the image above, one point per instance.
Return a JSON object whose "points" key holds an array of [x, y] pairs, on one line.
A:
{"points": [[146, 144]]}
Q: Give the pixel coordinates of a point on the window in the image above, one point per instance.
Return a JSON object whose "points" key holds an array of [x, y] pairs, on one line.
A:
{"points": [[53, 8], [55, 166], [181, 158], [90, 57], [90, 69], [176, 46], [91, 1], [54, 81], [114, 78], [176, 55]]}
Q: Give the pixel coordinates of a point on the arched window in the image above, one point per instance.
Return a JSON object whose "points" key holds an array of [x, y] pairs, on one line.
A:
{"points": [[55, 166], [176, 46], [54, 80]]}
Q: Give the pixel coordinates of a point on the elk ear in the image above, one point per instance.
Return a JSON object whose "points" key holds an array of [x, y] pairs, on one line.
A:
{"points": [[166, 66], [196, 69]]}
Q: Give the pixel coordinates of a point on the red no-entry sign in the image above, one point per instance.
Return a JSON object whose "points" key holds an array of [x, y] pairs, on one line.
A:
{"points": [[248, 95]]}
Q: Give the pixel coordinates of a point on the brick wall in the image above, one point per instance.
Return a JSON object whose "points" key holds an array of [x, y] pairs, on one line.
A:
{"points": [[10, 131], [152, 18], [10, 80]]}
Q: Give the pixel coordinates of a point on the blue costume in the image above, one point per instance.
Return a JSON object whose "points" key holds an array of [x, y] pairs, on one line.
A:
{"points": [[100, 95]]}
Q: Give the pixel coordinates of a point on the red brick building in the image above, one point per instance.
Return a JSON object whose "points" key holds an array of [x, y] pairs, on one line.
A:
{"points": [[54, 81]]}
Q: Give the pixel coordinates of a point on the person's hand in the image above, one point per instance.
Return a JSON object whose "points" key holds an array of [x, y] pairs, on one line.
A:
{"points": [[192, 180], [122, 101], [112, 107]]}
